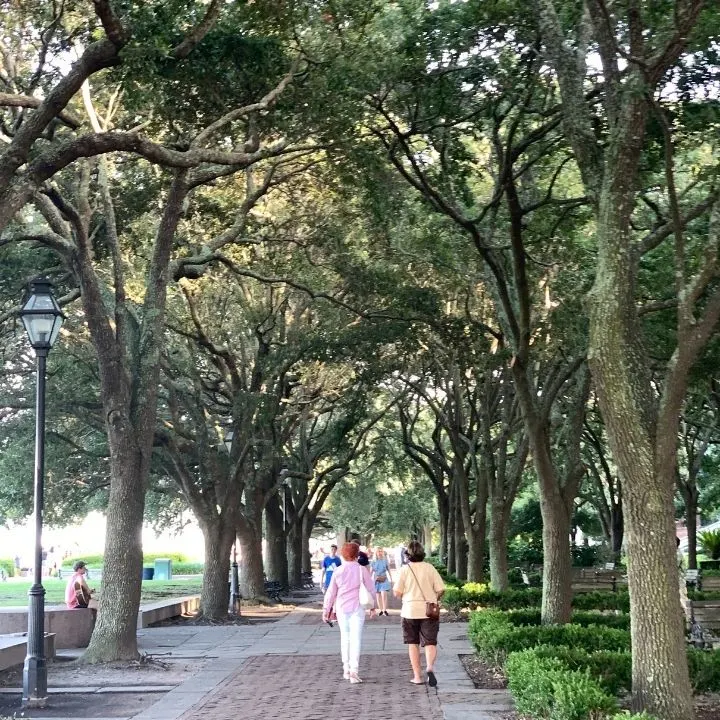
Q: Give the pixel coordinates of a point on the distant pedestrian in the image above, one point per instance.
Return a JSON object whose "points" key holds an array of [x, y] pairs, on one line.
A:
{"points": [[329, 563], [343, 597], [383, 579], [419, 583]]}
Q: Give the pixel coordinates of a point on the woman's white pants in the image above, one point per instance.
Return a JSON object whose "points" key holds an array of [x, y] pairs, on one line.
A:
{"points": [[351, 626]]}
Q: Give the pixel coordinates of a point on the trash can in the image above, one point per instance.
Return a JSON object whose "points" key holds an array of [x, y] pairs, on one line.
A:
{"points": [[148, 573], [163, 569]]}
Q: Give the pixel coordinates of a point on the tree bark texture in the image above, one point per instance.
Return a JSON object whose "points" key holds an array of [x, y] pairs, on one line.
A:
{"points": [[461, 548], [252, 581], [661, 682], [294, 556], [498, 547], [115, 633], [215, 594], [276, 561]]}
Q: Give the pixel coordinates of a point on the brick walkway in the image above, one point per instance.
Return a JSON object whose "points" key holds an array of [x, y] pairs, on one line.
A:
{"points": [[309, 687]]}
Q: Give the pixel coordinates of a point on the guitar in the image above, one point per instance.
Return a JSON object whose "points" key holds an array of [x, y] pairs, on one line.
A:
{"points": [[82, 593]]}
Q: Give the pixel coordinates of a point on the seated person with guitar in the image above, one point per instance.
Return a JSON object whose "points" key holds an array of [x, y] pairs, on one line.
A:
{"points": [[77, 592]]}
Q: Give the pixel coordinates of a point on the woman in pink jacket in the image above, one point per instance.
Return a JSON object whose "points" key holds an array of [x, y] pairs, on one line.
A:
{"points": [[343, 594]]}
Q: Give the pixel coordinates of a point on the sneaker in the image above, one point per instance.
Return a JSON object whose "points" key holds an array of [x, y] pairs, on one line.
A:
{"points": [[354, 679], [346, 675]]}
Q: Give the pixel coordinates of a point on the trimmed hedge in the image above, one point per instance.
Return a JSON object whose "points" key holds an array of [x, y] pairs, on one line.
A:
{"points": [[456, 599], [495, 637], [544, 687], [8, 565], [531, 616]]}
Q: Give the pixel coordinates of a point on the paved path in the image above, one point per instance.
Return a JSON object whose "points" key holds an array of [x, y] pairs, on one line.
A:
{"points": [[291, 670]]}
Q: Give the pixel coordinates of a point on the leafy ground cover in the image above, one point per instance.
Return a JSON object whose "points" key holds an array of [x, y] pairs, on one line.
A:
{"points": [[15, 592]]}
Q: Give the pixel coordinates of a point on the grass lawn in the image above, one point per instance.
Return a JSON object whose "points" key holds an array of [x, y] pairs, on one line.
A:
{"points": [[15, 592]]}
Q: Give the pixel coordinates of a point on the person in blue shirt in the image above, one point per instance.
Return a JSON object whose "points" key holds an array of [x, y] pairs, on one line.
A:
{"points": [[329, 563]]}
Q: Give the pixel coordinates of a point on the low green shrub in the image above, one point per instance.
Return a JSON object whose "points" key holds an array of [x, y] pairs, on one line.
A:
{"points": [[544, 687], [627, 715], [457, 599], [187, 568], [8, 565], [92, 561], [149, 558], [494, 636], [531, 616], [704, 666], [602, 600], [612, 669]]}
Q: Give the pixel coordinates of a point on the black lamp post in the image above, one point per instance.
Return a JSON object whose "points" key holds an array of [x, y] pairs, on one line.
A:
{"points": [[234, 577], [42, 318]]}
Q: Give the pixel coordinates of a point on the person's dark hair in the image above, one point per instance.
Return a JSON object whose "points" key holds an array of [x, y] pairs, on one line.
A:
{"points": [[333, 546], [363, 558], [415, 551], [78, 564]]}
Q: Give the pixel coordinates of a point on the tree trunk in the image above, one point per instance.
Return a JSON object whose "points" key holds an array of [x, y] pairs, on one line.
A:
{"points": [[554, 504], [115, 633], [306, 532], [498, 547], [461, 550], [661, 684], [252, 581], [451, 554], [215, 597], [617, 530], [294, 555], [443, 513], [428, 541], [276, 562], [557, 561]]}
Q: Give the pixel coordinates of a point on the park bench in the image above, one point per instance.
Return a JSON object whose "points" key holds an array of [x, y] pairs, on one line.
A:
{"points": [[70, 628], [709, 584], [705, 622], [13, 649], [274, 590], [592, 579]]}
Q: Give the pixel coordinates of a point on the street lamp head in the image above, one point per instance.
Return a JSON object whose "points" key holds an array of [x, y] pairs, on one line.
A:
{"points": [[41, 314]]}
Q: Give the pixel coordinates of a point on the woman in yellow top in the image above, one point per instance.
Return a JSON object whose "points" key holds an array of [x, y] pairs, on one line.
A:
{"points": [[419, 582]]}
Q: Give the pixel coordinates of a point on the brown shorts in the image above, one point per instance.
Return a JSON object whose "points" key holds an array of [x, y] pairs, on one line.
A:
{"points": [[420, 632]]}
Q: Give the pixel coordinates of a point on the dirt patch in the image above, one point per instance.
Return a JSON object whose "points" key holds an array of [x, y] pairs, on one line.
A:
{"points": [[106, 705], [67, 672], [484, 676]]}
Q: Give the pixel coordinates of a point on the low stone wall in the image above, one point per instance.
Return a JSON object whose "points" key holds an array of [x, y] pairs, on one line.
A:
{"points": [[13, 649], [163, 609], [71, 628]]}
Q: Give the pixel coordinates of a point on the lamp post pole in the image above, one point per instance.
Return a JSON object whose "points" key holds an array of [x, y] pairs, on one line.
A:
{"points": [[42, 318], [35, 668], [235, 582]]}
